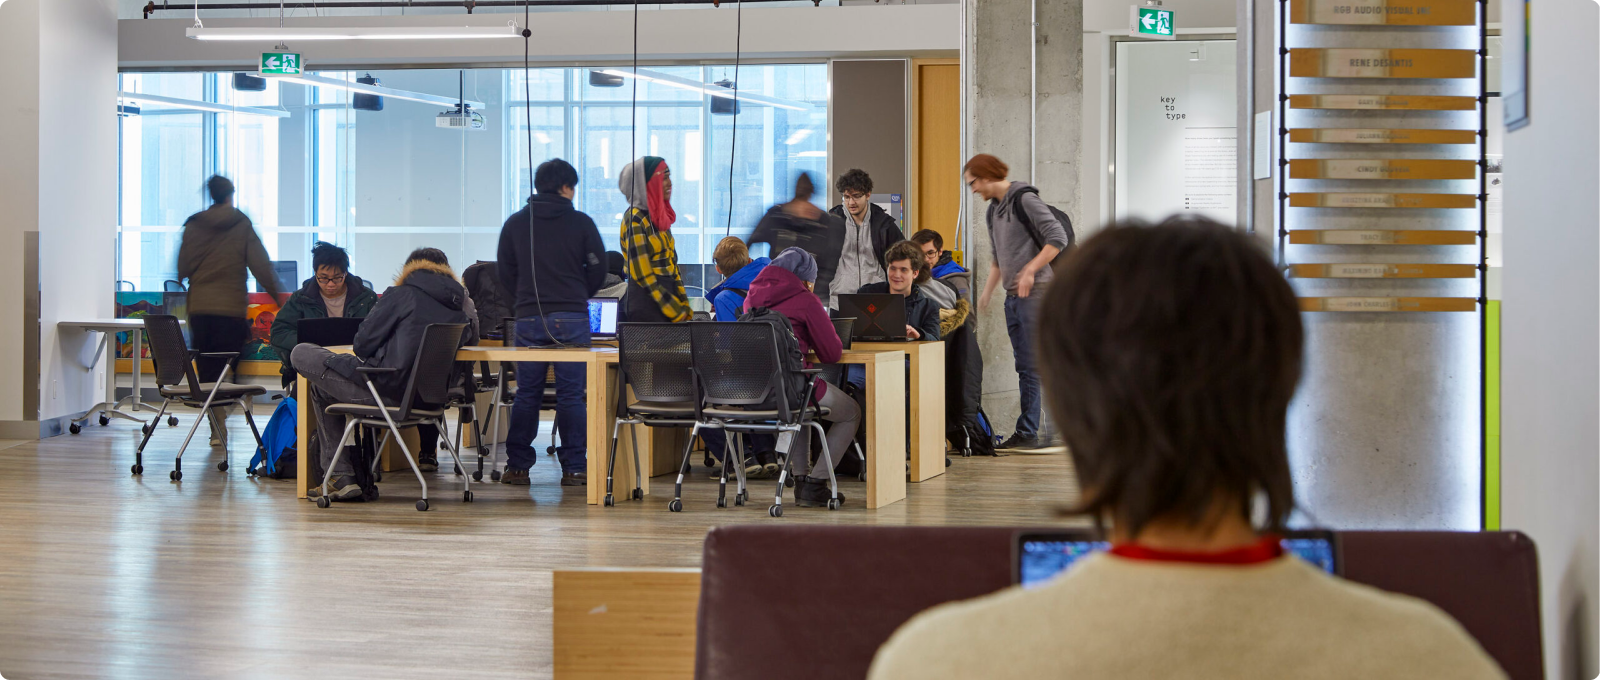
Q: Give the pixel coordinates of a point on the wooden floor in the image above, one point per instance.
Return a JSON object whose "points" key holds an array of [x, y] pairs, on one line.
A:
{"points": [[225, 576]]}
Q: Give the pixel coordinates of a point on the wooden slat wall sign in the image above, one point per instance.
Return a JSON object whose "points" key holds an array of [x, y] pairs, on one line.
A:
{"points": [[1393, 168], [1371, 63], [1384, 12], [1383, 271], [1388, 304], [1362, 200], [1381, 136], [1373, 237], [1380, 102]]}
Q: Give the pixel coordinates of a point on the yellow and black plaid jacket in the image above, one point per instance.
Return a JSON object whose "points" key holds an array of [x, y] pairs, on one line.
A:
{"points": [[653, 264]]}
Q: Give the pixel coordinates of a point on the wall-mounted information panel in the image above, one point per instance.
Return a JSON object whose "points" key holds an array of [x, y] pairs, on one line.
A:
{"points": [[1380, 102], [1381, 168], [1386, 201], [1385, 237], [1383, 12], [1349, 270], [1369, 63], [1388, 304], [1380, 136]]}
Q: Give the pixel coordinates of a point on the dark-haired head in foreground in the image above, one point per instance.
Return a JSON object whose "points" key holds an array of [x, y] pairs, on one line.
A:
{"points": [[1169, 357]]}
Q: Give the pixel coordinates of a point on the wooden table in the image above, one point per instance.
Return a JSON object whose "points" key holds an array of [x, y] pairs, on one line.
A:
{"points": [[884, 419], [925, 402]]}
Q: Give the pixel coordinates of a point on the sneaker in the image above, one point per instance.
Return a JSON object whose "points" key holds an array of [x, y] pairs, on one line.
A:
{"points": [[1019, 443], [428, 462], [342, 488], [514, 477], [573, 478], [762, 465], [812, 492]]}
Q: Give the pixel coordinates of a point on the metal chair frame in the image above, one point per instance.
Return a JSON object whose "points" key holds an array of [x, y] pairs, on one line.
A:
{"points": [[168, 335], [628, 414]]}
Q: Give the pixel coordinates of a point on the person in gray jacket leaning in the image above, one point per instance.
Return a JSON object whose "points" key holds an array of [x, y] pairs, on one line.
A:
{"points": [[1022, 260]]}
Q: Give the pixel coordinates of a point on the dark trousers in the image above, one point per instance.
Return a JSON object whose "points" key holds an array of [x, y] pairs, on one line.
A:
{"points": [[216, 334], [572, 381], [1021, 324]]}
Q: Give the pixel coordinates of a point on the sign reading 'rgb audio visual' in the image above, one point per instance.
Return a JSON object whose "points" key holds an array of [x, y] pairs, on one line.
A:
{"points": [[1370, 63], [1384, 12]]}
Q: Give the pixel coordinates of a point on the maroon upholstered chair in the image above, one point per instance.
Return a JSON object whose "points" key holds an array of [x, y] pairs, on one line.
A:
{"points": [[765, 588]]}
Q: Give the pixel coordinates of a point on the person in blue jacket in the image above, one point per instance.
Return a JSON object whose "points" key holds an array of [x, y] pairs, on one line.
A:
{"points": [[732, 258]]}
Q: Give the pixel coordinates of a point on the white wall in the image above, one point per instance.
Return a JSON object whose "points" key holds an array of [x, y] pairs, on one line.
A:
{"points": [[19, 190], [1551, 329]]}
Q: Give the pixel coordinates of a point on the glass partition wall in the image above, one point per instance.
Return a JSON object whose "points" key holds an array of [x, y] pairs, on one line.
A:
{"points": [[313, 161]]}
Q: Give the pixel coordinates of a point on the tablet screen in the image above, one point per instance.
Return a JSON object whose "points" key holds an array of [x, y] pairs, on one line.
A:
{"points": [[1042, 556]]}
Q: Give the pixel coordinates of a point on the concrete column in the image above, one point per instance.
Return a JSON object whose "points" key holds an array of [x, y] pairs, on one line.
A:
{"points": [[58, 183], [996, 83]]}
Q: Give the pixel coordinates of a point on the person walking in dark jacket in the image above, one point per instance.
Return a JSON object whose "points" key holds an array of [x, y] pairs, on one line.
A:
{"points": [[426, 292], [868, 233], [799, 223], [332, 292], [785, 287], [219, 246], [552, 259]]}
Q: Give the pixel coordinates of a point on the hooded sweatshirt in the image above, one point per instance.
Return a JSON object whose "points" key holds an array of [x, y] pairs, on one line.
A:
{"points": [[1013, 247], [307, 303], [651, 252], [424, 293], [555, 264], [823, 237], [725, 297], [955, 275], [219, 245], [781, 291]]}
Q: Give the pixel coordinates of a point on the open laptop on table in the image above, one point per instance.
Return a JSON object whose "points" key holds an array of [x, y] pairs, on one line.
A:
{"points": [[879, 317], [329, 332], [603, 318]]}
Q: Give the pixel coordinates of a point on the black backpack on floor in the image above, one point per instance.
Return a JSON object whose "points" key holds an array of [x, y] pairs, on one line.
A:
{"points": [[789, 356]]}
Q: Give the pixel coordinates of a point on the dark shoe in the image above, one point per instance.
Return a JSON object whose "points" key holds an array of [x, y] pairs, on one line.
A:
{"points": [[514, 477], [762, 465], [573, 478], [812, 492], [339, 489], [428, 462], [1019, 443]]}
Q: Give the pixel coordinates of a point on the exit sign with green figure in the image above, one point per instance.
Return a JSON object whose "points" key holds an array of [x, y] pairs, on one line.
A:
{"points": [[1145, 21], [281, 64]]}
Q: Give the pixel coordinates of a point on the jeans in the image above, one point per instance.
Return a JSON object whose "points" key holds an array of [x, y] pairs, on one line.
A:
{"points": [[327, 386], [1021, 324], [572, 413]]}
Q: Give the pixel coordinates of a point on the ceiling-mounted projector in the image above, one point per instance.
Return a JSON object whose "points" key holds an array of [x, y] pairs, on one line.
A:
{"points": [[245, 82], [724, 106], [603, 79], [463, 118], [361, 101]]}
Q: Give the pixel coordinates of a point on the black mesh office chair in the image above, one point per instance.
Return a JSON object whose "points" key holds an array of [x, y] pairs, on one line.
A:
{"points": [[426, 393], [174, 363], [655, 360], [744, 388]]}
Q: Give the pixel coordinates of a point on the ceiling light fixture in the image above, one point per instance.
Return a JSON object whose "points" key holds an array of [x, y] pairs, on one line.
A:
{"points": [[133, 99], [323, 81], [798, 136], [268, 33], [710, 89]]}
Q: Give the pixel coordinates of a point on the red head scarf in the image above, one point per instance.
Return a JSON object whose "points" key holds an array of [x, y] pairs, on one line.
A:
{"points": [[661, 213]]}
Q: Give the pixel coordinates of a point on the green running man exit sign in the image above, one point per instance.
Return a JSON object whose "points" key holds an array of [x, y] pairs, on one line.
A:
{"points": [[1145, 21], [281, 64]]}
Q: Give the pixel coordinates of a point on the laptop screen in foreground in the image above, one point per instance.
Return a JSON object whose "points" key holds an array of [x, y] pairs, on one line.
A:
{"points": [[602, 316]]}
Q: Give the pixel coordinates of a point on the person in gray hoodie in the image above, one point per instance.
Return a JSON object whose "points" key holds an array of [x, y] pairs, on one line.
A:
{"points": [[1022, 262]]}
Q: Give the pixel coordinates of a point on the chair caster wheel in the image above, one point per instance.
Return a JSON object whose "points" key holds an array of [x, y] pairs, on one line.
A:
{"points": [[739, 500], [947, 461], [172, 421], [610, 500], [466, 497], [175, 475], [638, 494], [494, 475], [377, 477], [422, 505], [775, 511], [104, 420], [675, 506], [861, 476], [458, 471], [147, 428], [323, 502], [137, 469], [744, 497], [722, 502], [550, 451], [74, 428], [222, 467], [477, 475], [833, 504]]}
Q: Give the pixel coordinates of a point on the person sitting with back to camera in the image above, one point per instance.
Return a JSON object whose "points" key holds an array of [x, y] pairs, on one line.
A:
{"points": [[732, 259], [786, 287], [1170, 355], [332, 292], [426, 292]]}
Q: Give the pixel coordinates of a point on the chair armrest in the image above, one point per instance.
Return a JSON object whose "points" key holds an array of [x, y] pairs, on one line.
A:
{"points": [[216, 354], [810, 371], [369, 370]]}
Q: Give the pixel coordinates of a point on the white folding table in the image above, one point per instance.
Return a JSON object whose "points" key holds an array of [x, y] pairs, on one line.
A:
{"points": [[108, 329]]}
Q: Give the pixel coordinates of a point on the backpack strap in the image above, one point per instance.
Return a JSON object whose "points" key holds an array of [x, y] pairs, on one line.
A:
{"points": [[1027, 222]]}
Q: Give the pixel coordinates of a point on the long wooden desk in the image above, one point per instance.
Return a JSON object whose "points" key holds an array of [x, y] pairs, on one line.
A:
{"points": [[925, 403], [884, 419]]}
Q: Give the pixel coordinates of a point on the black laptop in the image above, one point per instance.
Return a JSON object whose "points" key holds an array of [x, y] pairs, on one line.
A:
{"points": [[880, 317], [329, 332]]}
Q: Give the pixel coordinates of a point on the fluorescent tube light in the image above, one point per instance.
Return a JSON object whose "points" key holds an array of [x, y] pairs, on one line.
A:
{"points": [[710, 89], [322, 81], [797, 137], [176, 103], [269, 33], [812, 154]]}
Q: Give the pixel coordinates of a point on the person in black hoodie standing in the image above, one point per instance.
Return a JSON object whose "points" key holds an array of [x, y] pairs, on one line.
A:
{"points": [[552, 260], [426, 292]]}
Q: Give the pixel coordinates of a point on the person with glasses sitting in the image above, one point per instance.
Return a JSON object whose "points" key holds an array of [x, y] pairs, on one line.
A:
{"points": [[868, 233], [333, 292]]}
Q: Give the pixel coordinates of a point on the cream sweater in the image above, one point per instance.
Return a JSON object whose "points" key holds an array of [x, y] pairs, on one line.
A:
{"points": [[1113, 617]]}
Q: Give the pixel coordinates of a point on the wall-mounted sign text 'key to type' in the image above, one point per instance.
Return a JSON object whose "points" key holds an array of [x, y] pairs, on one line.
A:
{"points": [[1394, 168], [281, 64], [1381, 136], [1383, 271], [1364, 200], [1388, 304], [1381, 237], [1151, 21], [1384, 12], [1369, 63]]}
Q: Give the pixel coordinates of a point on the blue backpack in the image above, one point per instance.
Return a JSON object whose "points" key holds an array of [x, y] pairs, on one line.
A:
{"points": [[278, 461]]}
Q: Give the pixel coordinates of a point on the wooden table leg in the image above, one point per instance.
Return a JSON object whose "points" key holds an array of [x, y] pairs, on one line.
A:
{"points": [[886, 427], [927, 411], [304, 425]]}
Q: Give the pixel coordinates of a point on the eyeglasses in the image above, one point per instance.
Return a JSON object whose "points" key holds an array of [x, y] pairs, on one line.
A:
{"points": [[855, 197], [330, 279]]}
